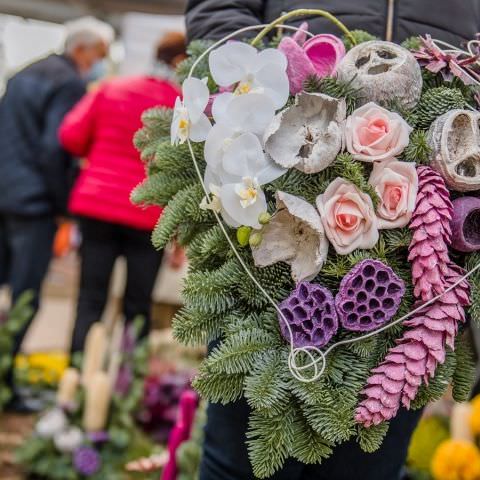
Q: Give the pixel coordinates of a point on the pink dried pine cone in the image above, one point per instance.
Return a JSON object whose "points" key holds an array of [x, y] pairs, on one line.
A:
{"points": [[422, 348], [431, 235]]}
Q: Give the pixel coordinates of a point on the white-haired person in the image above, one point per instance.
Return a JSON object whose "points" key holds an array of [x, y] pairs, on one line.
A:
{"points": [[34, 168]]}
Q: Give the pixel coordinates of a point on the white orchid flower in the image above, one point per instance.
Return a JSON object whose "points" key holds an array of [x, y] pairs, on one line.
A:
{"points": [[233, 147], [250, 71], [189, 120]]}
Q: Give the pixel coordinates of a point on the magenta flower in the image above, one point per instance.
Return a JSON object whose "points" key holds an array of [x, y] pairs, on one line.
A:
{"points": [[318, 56]]}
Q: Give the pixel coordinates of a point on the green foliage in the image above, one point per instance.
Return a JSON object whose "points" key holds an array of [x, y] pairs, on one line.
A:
{"points": [[464, 373], [10, 325], [472, 260], [418, 150], [334, 88], [412, 43], [360, 36], [194, 50], [436, 102], [156, 129]]}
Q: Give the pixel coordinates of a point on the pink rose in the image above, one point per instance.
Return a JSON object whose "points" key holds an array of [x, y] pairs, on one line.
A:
{"points": [[372, 133], [348, 217], [318, 56], [396, 183]]}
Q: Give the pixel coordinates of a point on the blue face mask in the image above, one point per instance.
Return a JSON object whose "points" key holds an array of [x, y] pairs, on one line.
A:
{"points": [[98, 71]]}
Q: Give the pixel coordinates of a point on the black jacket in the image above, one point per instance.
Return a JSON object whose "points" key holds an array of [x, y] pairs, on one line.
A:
{"points": [[450, 20], [33, 166]]}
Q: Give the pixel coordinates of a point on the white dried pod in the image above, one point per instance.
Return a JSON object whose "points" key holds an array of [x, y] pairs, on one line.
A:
{"points": [[383, 72], [309, 134], [455, 141], [294, 235]]}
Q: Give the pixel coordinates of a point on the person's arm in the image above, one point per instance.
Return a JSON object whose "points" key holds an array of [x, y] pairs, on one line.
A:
{"points": [[213, 19], [77, 129], [52, 159]]}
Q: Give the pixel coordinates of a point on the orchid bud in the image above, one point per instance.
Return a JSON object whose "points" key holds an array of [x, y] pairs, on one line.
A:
{"points": [[255, 239], [243, 235]]}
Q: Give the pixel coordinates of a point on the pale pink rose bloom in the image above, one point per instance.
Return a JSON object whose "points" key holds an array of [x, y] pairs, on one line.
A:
{"points": [[372, 133], [396, 184], [348, 217]]}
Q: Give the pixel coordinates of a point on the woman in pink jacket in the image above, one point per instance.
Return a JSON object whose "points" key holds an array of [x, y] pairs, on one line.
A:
{"points": [[100, 128]]}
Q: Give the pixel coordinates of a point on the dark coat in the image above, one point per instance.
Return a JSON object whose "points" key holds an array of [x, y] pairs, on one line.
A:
{"points": [[33, 166], [448, 20]]}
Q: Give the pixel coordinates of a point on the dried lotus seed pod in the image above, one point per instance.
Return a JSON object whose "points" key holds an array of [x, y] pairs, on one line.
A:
{"points": [[383, 72], [455, 141], [310, 313], [369, 296]]}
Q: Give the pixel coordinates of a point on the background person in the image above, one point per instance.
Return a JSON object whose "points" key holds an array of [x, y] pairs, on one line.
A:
{"points": [[33, 165], [101, 128], [225, 449]]}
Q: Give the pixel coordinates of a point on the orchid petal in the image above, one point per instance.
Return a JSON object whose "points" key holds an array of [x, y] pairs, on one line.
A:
{"points": [[200, 129], [244, 157], [231, 62], [176, 117], [215, 144], [276, 86], [220, 105], [250, 113], [270, 56], [195, 97], [241, 216]]}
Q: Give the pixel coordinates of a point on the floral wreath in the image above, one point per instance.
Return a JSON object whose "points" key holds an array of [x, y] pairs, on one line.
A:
{"points": [[326, 214]]}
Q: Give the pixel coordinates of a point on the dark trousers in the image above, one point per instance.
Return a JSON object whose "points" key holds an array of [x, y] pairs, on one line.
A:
{"points": [[102, 244], [225, 453], [25, 252]]}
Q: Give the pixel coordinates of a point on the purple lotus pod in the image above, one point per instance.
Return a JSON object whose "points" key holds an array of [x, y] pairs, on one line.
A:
{"points": [[466, 224], [86, 461], [369, 296], [310, 312]]}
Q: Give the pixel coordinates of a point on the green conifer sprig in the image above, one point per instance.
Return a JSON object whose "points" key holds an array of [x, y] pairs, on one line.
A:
{"points": [[418, 150], [436, 102], [194, 50], [334, 88], [360, 36], [156, 129], [465, 367]]}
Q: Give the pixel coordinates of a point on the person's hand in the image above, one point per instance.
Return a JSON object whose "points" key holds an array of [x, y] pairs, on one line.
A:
{"points": [[176, 257]]}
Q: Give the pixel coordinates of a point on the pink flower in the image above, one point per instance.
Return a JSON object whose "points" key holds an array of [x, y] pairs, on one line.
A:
{"points": [[396, 183], [348, 217], [373, 133], [318, 56]]}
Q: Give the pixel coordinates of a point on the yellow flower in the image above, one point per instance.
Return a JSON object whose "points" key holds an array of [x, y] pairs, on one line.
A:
{"points": [[456, 460], [430, 432], [475, 416]]}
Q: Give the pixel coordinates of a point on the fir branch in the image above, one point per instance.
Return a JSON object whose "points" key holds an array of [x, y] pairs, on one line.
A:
{"points": [[240, 352], [270, 440], [370, 439], [309, 447], [218, 387], [194, 50], [208, 249], [265, 387], [418, 150], [194, 328], [436, 102], [465, 366], [471, 261], [412, 43], [334, 88], [360, 36], [213, 291], [156, 129]]}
